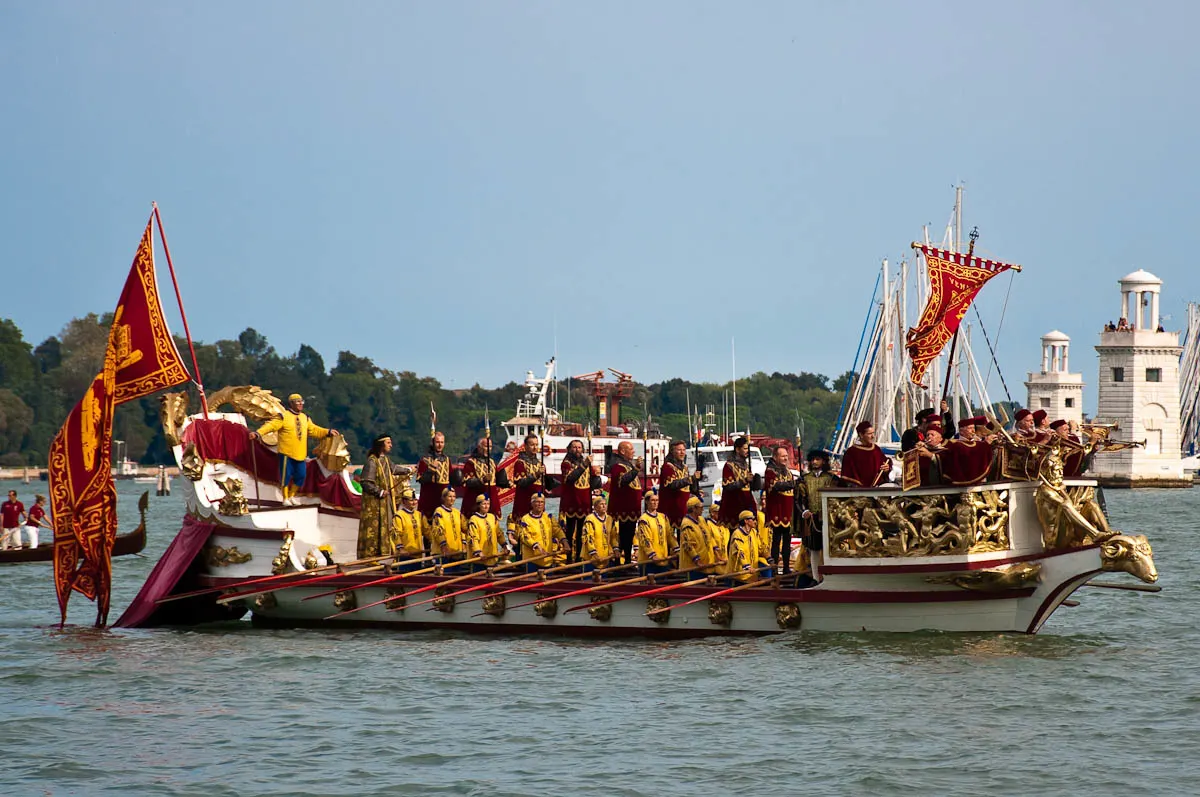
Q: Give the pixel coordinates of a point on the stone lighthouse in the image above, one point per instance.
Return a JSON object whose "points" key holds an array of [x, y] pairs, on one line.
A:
{"points": [[1055, 389], [1138, 388]]}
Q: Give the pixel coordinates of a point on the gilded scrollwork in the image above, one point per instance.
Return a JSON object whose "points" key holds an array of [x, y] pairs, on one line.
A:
{"points": [[918, 525], [602, 613], [216, 556], [253, 402], [546, 607], [994, 579], [493, 605], [787, 616], [720, 612], [233, 503], [279, 564], [191, 464], [654, 604], [172, 412], [396, 600], [265, 601], [444, 601], [346, 600]]}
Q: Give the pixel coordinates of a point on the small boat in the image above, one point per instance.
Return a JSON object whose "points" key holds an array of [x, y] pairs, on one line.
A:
{"points": [[125, 544]]}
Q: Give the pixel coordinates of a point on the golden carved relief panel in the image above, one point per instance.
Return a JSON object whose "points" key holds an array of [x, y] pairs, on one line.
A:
{"points": [[918, 525]]}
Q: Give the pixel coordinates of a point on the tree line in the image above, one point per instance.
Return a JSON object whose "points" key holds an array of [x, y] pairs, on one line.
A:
{"points": [[40, 384]]}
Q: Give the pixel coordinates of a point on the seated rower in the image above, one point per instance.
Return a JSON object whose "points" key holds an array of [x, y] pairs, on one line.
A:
{"points": [[483, 535], [406, 539], [540, 537], [697, 546], [654, 537], [447, 528], [718, 537], [745, 564], [597, 542]]}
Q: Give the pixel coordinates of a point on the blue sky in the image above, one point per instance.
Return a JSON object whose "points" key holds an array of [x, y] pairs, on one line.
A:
{"points": [[440, 186]]}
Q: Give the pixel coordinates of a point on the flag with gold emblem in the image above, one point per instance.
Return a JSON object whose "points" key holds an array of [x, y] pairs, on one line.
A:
{"points": [[140, 359], [954, 281]]}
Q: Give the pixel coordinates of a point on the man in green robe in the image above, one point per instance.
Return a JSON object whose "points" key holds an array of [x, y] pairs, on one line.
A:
{"points": [[379, 500]]}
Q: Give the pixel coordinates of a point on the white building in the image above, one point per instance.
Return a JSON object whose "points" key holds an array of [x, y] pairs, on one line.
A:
{"points": [[1055, 389], [1139, 390]]}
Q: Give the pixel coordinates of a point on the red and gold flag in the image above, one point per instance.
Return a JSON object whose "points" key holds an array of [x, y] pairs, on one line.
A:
{"points": [[141, 358], [954, 281]]}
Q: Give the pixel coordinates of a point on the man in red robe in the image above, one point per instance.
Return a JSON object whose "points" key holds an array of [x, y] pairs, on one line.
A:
{"points": [[675, 484], [529, 476], [864, 463], [480, 478], [1075, 455], [779, 505], [928, 452], [1023, 428], [434, 475], [1041, 426], [625, 497], [967, 460], [738, 483], [575, 503]]}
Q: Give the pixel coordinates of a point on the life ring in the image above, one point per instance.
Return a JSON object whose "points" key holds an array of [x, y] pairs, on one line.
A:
{"points": [[545, 451], [510, 446]]}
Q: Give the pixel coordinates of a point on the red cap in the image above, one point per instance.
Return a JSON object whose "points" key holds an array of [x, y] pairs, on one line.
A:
{"points": [[1040, 416], [1058, 423], [966, 422], [979, 420], [1022, 414]]}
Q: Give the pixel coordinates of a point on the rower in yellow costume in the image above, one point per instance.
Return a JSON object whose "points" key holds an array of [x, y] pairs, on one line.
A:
{"points": [[447, 528], [597, 542], [744, 561], [654, 537], [406, 529], [540, 536], [695, 543], [718, 536], [483, 534], [294, 429]]}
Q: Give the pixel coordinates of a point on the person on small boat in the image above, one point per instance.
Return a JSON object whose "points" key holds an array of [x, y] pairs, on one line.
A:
{"points": [[914, 435], [480, 477], [35, 520], [697, 546], [738, 483], [597, 541], [12, 512], [575, 501], [967, 460], [625, 497], [780, 503], [540, 536], [379, 499], [448, 537], [808, 502], [655, 540], [529, 479], [435, 475], [676, 485], [294, 429], [483, 534], [864, 464]]}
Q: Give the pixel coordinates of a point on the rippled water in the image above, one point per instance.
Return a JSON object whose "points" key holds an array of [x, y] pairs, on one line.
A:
{"points": [[1105, 701]]}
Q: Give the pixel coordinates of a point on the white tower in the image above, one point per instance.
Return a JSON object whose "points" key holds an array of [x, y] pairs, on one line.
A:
{"points": [[1139, 390], [1055, 389]]}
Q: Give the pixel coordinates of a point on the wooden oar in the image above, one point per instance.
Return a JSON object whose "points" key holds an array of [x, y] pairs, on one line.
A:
{"points": [[584, 591], [419, 590], [643, 593], [508, 580], [544, 581], [397, 576], [250, 582], [302, 582], [710, 596]]}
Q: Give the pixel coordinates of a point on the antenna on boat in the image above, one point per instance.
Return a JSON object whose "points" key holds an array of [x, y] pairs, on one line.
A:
{"points": [[733, 360]]}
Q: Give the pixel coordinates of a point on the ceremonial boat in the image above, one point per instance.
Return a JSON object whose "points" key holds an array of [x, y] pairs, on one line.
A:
{"points": [[995, 557]]}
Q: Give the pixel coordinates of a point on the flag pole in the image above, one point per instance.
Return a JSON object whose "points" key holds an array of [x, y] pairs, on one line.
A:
{"points": [[953, 343], [179, 297]]}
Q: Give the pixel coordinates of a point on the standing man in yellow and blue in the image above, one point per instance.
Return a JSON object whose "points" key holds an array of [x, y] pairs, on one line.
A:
{"points": [[294, 430]]}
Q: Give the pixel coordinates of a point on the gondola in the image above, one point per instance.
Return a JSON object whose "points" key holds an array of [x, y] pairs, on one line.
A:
{"points": [[130, 543]]}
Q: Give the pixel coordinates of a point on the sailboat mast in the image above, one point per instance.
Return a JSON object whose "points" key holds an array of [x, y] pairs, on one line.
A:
{"points": [[733, 361]]}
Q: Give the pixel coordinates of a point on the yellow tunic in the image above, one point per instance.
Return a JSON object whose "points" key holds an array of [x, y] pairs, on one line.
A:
{"points": [[294, 430], [483, 538], [763, 539], [743, 556], [695, 545], [447, 531], [542, 537], [654, 537], [406, 534], [597, 542], [718, 536]]}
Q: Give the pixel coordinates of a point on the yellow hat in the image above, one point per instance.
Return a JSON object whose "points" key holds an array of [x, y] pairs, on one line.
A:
{"points": [[694, 502], [407, 495], [295, 397], [479, 499], [746, 514]]}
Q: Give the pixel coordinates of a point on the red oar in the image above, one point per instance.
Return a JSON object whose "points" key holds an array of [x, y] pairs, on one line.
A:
{"points": [[543, 583], [394, 577], [641, 594], [585, 591], [267, 579], [712, 595], [299, 582], [425, 588], [473, 588]]}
